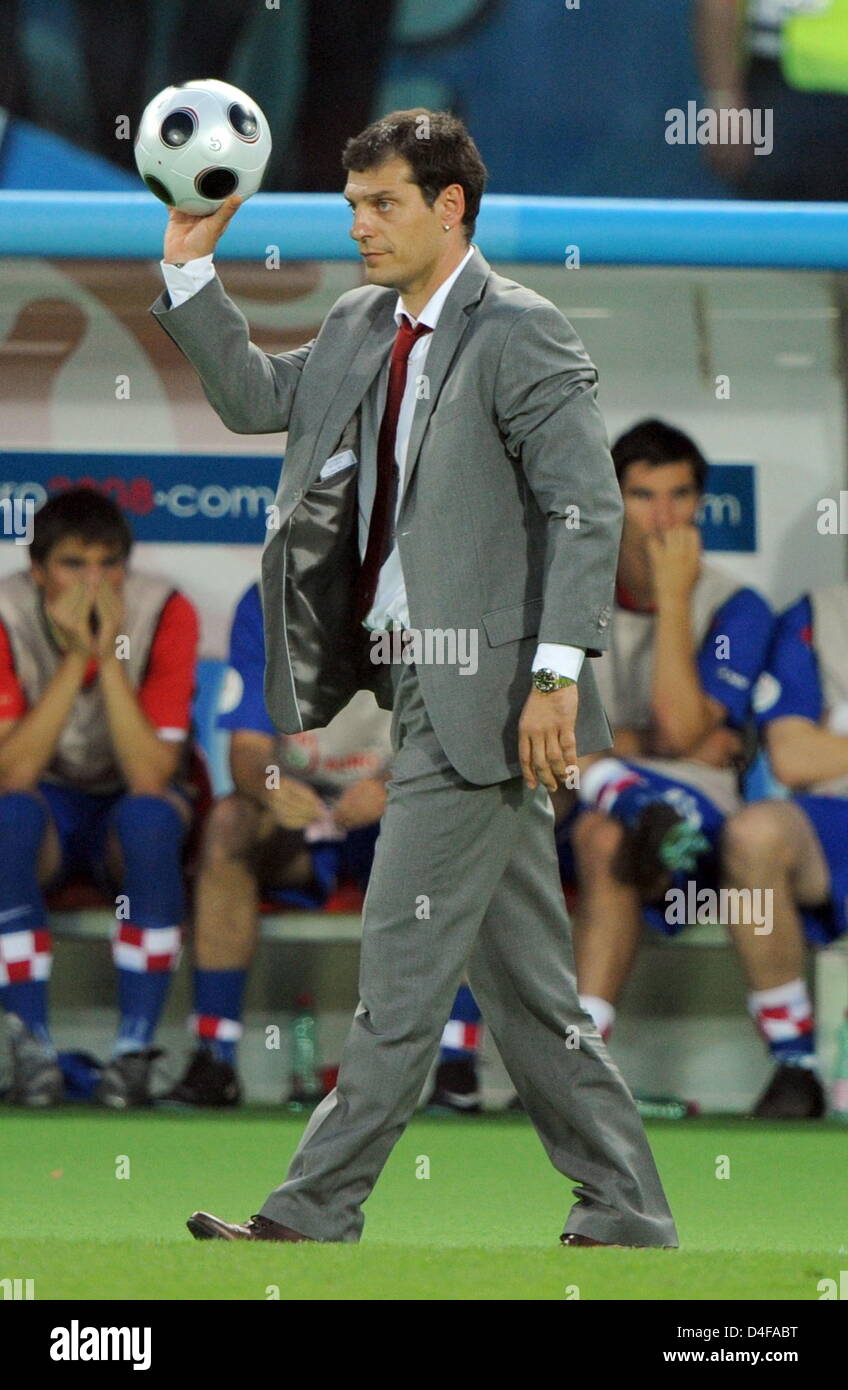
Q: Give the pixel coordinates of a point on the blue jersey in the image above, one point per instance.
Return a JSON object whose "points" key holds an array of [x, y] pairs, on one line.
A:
{"points": [[734, 651], [790, 683], [791, 687], [242, 698]]}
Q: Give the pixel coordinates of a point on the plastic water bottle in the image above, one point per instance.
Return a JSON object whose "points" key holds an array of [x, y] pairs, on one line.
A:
{"points": [[665, 1108], [306, 1086], [839, 1090]]}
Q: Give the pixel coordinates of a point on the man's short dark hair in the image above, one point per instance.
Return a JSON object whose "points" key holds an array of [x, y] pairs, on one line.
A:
{"points": [[437, 148], [655, 442], [81, 512]]}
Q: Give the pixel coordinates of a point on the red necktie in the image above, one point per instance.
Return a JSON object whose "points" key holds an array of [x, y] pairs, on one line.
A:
{"points": [[381, 525]]}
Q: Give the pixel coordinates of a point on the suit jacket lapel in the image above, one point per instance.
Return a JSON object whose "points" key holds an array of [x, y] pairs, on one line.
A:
{"points": [[353, 378], [371, 349], [447, 336]]}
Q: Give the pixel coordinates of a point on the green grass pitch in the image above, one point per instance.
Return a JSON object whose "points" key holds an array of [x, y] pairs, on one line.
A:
{"points": [[483, 1225]]}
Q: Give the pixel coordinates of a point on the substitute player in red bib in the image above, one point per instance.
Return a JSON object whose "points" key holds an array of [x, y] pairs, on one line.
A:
{"points": [[797, 848], [97, 666]]}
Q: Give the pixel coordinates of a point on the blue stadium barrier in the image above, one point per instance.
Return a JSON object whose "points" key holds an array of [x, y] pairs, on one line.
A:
{"points": [[316, 226]]}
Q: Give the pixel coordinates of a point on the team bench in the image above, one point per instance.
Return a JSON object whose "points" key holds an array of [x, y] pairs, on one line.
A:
{"points": [[80, 912]]}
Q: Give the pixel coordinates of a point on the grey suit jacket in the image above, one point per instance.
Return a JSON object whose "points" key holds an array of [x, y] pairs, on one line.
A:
{"points": [[509, 521]]}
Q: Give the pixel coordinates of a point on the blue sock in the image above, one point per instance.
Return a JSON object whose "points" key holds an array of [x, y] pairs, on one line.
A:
{"points": [[216, 1022], [25, 954], [795, 1052], [29, 1001], [461, 1036], [146, 946], [141, 997]]}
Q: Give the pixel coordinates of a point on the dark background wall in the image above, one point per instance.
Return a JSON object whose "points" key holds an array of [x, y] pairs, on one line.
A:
{"points": [[559, 100]]}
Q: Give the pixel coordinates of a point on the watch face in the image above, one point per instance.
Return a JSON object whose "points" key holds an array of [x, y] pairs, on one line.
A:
{"points": [[547, 680]]}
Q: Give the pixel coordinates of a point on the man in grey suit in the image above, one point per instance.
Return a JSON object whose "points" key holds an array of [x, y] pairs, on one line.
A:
{"points": [[447, 479]]}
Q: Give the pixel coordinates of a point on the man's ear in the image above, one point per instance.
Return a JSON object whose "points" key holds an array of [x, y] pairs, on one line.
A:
{"points": [[451, 200]]}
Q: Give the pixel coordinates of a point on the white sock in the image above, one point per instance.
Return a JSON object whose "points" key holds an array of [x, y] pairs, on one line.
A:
{"points": [[602, 1011]]}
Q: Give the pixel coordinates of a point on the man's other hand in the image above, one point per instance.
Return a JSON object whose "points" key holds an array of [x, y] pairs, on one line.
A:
{"points": [[70, 612], [294, 805], [109, 607], [359, 805], [546, 743], [188, 237]]}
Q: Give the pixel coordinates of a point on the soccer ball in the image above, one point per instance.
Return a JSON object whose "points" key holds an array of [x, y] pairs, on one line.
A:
{"points": [[199, 142]]}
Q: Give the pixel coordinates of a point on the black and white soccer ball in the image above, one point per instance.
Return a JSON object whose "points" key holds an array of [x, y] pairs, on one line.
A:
{"points": [[200, 142]]}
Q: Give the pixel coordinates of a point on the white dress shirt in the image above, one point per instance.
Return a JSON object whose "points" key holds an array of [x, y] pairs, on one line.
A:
{"points": [[389, 608]]}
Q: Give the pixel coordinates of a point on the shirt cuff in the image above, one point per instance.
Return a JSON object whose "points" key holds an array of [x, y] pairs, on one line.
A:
{"points": [[182, 282], [554, 656]]}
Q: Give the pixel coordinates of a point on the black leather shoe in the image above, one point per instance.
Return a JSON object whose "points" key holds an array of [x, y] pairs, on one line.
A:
{"points": [[207, 1082], [125, 1081], [456, 1089], [204, 1226], [794, 1093]]}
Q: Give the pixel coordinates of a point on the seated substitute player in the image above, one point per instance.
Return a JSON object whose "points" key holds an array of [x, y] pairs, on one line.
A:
{"points": [[797, 848], [97, 666], [687, 645], [288, 841]]}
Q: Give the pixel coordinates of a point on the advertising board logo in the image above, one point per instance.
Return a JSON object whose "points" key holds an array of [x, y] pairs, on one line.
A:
{"points": [[224, 498], [728, 509], [166, 497]]}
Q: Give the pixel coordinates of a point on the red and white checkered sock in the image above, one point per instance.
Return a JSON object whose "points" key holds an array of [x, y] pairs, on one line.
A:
{"points": [[784, 1017], [146, 958], [25, 961]]}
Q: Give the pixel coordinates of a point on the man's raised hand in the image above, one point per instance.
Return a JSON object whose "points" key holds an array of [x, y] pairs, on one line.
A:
{"points": [[109, 607], [188, 237], [70, 611]]}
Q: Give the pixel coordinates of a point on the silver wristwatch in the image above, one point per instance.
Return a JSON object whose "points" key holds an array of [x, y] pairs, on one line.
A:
{"points": [[546, 680]]}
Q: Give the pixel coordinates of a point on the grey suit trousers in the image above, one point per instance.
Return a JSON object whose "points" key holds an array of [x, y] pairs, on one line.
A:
{"points": [[465, 880]]}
